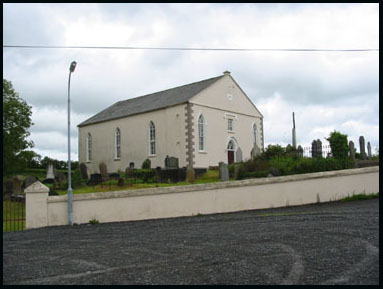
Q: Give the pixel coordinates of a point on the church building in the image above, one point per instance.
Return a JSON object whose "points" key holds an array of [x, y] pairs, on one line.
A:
{"points": [[201, 124]]}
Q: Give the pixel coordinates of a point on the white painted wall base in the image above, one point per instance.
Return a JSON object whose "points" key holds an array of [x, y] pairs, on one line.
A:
{"points": [[205, 198]]}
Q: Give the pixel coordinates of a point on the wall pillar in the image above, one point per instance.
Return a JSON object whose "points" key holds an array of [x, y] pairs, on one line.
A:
{"points": [[36, 205]]}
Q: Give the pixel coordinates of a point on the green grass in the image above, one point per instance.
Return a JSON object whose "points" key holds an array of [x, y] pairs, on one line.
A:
{"points": [[209, 177], [359, 197], [13, 216]]}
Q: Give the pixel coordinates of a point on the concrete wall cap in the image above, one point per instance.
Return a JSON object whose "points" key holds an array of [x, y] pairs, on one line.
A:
{"points": [[37, 187], [211, 186]]}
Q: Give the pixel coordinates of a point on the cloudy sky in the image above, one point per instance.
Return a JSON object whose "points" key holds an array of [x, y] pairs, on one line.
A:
{"points": [[326, 90]]}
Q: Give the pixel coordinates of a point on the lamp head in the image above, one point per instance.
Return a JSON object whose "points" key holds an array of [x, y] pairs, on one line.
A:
{"points": [[72, 66]]}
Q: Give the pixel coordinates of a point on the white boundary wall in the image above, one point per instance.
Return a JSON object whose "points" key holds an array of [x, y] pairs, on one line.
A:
{"points": [[191, 200]]}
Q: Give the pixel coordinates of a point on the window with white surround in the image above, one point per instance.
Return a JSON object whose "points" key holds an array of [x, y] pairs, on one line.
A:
{"points": [[230, 124], [117, 144], [201, 133], [89, 148], [152, 139]]}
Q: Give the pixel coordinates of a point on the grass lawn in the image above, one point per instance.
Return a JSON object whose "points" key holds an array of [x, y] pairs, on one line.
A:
{"points": [[209, 177]]}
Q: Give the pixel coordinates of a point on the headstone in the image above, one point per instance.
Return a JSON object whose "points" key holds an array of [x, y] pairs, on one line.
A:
{"points": [[274, 172], [237, 169], [103, 172], [94, 180], [300, 151], [50, 172], [120, 182], [129, 172], [369, 150], [314, 149], [319, 148], [29, 180], [362, 147], [16, 185], [351, 148], [131, 165], [238, 155], [8, 187], [158, 174], [84, 171], [171, 162], [60, 179], [223, 172]]}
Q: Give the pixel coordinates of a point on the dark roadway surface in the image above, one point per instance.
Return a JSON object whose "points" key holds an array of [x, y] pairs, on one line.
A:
{"points": [[330, 243]]}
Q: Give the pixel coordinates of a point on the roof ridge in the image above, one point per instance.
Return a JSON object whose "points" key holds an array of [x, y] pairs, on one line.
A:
{"points": [[160, 91]]}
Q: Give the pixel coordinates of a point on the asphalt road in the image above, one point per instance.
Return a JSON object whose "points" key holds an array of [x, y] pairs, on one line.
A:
{"points": [[331, 243]]}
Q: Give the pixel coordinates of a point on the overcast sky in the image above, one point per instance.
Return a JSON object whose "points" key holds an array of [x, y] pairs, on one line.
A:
{"points": [[327, 90]]}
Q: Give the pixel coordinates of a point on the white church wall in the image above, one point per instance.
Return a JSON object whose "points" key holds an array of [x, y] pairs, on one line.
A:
{"points": [[170, 140]]}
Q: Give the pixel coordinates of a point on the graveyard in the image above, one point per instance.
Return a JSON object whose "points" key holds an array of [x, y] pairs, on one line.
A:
{"points": [[274, 161]]}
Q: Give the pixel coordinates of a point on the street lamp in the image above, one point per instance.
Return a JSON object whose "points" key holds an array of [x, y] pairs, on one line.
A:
{"points": [[70, 193]]}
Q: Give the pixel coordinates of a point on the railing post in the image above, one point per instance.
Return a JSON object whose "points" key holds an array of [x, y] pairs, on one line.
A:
{"points": [[36, 205]]}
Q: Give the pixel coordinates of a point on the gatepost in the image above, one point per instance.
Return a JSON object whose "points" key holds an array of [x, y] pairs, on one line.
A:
{"points": [[36, 205]]}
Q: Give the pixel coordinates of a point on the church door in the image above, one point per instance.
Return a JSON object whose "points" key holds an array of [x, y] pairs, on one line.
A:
{"points": [[230, 152], [230, 157]]}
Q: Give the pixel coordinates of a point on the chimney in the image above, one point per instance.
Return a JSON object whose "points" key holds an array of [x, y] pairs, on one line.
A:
{"points": [[226, 72]]}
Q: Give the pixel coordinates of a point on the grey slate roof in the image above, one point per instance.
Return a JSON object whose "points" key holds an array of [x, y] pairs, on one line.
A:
{"points": [[151, 102]]}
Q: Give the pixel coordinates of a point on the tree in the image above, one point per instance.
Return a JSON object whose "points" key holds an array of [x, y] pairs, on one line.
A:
{"points": [[16, 122], [339, 144]]}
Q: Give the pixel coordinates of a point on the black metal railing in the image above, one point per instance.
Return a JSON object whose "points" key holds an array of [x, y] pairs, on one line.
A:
{"points": [[13, 213]]}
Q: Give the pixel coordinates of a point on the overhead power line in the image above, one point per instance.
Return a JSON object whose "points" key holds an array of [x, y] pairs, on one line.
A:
{"points": [[181, 48]]}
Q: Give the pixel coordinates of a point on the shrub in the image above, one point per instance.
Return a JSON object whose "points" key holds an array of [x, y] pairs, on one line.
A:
{"points": [[273, 151], [338, 144], [77, 180], [146, 164]]}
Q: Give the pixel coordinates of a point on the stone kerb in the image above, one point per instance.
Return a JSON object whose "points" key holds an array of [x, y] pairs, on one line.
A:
{"points": [[36, 205]]}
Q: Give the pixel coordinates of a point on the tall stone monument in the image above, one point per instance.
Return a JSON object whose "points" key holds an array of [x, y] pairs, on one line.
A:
{"points": [[351, 149], [369, 150], [362, 147], [294, 134], [50, 172]]}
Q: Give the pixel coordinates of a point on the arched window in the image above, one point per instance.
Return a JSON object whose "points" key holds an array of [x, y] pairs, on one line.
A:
{"points": [[254, 134], [201, 132], [89, 148], [117, 144], [152, 139], [230, 145]]}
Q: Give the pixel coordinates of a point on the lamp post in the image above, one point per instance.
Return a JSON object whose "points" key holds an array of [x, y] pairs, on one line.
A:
{"points": [[70, 193]]}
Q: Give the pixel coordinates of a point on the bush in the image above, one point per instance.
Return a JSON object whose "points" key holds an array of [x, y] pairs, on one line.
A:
{"points": [[273, 151], [144, 174], [77, 180], [146, 164], [338, 144]]}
